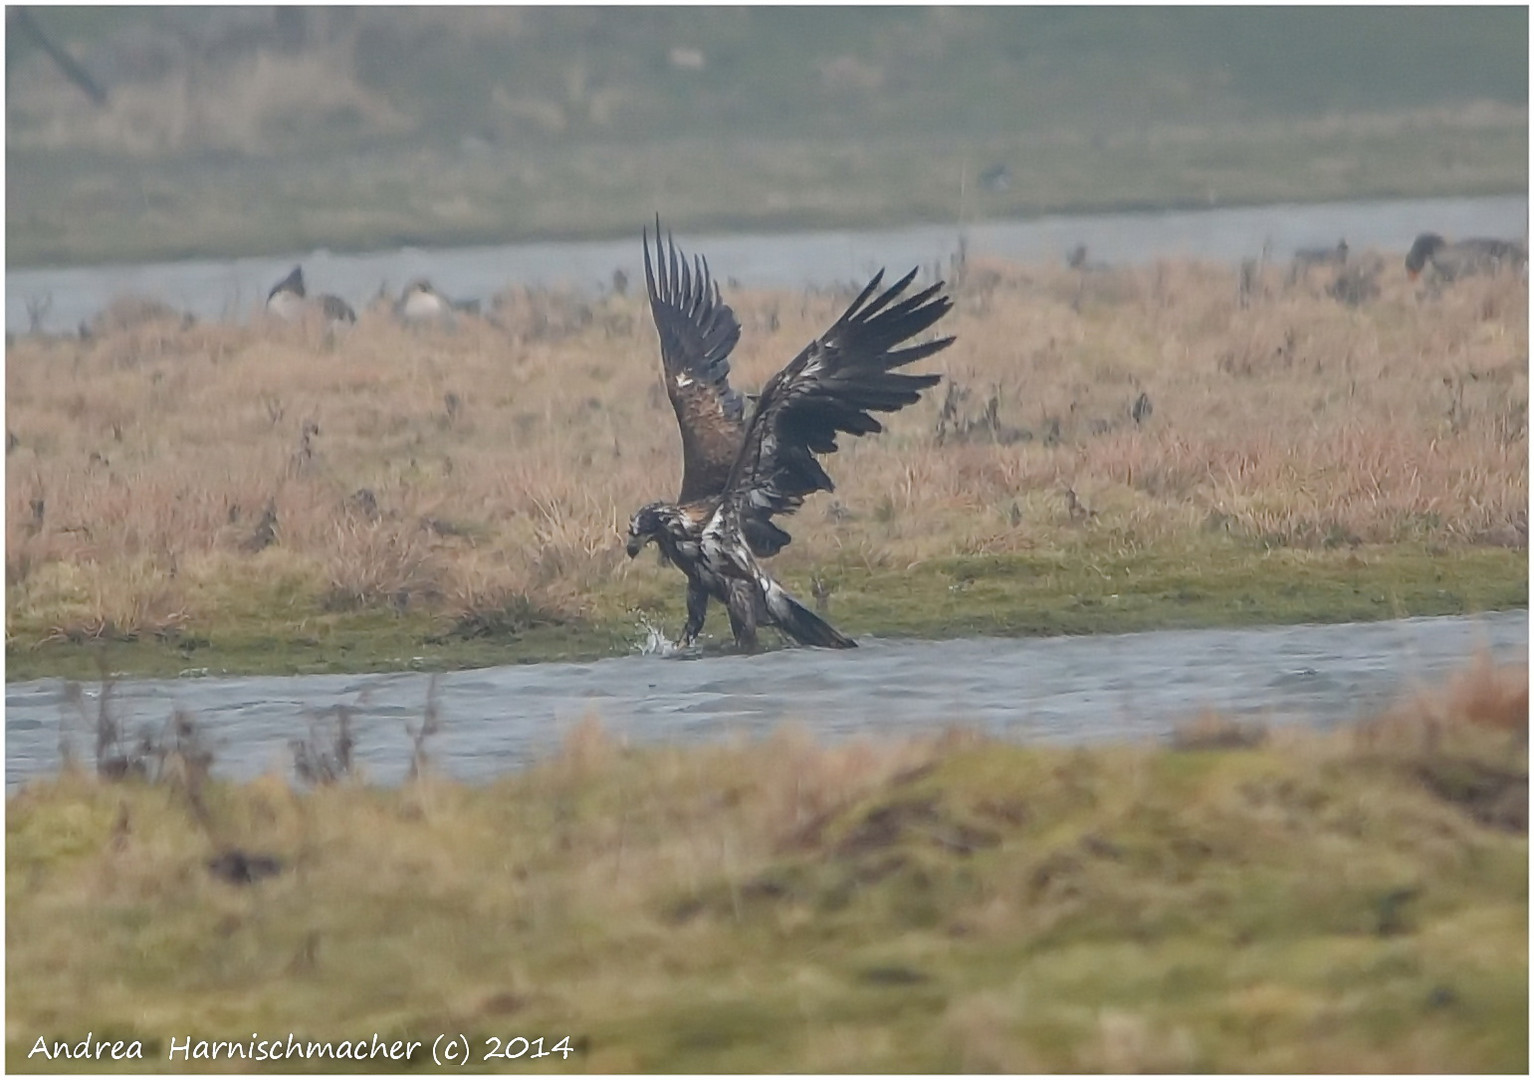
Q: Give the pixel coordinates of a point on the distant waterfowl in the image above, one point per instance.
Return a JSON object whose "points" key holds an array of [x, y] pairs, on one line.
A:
{"points": [[1478, 255], [287, 299], [289, 302], [421, 303]]}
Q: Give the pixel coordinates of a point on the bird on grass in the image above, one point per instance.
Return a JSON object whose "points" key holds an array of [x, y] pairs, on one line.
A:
{"points": [[1448, 262], [421, 303], [289, 301], [739, 469]]}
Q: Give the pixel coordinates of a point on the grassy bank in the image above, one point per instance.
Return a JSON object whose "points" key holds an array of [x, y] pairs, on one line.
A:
{"points": [[1356, 901], [1086, 589], [278, 498], [241, 131], [61, 213]]}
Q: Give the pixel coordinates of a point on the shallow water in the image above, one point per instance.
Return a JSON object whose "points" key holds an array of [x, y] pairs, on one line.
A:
{"points": [[1064, 689], [233, 289]]}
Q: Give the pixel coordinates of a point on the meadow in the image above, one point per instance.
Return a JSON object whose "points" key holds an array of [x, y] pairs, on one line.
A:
{"points": [[90, 206], [254, 131], [1110, 449], [1234, 900]]}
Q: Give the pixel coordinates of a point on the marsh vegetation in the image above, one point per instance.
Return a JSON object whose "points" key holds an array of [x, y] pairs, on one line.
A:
{"points": [[1198, 446]]}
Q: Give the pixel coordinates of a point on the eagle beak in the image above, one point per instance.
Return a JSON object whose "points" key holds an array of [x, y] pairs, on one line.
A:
{"points": [[634, 545]]}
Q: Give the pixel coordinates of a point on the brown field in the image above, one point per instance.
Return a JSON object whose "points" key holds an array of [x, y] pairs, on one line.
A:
{"points": [[162, 476]]}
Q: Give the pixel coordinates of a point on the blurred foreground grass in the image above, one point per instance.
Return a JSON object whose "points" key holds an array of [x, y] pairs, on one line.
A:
{"points": [[1234, 901]]}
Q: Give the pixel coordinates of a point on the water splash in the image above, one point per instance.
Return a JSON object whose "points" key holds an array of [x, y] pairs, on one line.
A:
{"points": [[655, 642]]}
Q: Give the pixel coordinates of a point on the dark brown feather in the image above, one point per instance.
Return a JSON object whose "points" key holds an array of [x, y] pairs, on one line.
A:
{"points": [[697, 331], [829, 388]]}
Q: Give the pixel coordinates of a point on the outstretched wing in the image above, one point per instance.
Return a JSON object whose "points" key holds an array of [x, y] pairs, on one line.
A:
{"points": [[830, 387], [697, 332]]}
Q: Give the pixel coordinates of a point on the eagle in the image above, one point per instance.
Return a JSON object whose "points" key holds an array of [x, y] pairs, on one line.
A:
{"points": [[741, 468]]}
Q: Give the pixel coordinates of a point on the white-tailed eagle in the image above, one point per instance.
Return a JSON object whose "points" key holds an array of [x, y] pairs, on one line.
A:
{"points": [[740, 470]]}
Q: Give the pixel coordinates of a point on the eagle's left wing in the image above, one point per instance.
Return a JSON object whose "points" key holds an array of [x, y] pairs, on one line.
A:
{"points": [[697, 331], [830, 387]]}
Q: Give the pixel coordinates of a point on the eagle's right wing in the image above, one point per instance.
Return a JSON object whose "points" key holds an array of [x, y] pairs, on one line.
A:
{"points": [[697, 331], [832, 387]]}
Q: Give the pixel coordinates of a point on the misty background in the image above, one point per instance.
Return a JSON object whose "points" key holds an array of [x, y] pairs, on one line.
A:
{"points": [[241, 131]]}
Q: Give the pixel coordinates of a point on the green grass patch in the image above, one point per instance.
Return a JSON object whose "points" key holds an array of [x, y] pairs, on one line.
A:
{"points": [[951, 905], [1082, 589], [217, 209], [477, 128]]}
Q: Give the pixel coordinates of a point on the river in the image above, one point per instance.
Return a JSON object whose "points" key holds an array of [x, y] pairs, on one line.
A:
{"points": [[1060, 689], [232, 289]]}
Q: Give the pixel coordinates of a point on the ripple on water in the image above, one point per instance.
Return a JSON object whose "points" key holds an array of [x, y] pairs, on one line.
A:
{"points": [[1130, 686]]}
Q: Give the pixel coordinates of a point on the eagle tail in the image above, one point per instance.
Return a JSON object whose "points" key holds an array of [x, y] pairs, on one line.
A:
{"points": [[799, 622]]}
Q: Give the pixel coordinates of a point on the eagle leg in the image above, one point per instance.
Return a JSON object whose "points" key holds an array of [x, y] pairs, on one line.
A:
{"points": [[697, 611], [742, 609]]}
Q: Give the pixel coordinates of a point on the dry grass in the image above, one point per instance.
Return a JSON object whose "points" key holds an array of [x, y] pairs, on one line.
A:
{"points": [[249, 102], [237, 131], [165, 475], [1354, 901]]}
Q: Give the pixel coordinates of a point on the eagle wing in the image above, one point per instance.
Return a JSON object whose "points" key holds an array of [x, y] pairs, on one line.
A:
{"points": [[829, 388], [697, 332]]}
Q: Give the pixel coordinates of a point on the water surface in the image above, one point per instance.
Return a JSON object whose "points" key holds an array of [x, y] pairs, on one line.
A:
{"points": [[1062, 689], [232, 289]]}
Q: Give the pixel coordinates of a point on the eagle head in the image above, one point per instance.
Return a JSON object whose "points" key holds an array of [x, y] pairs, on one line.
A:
{"points": [[646, 524]]}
